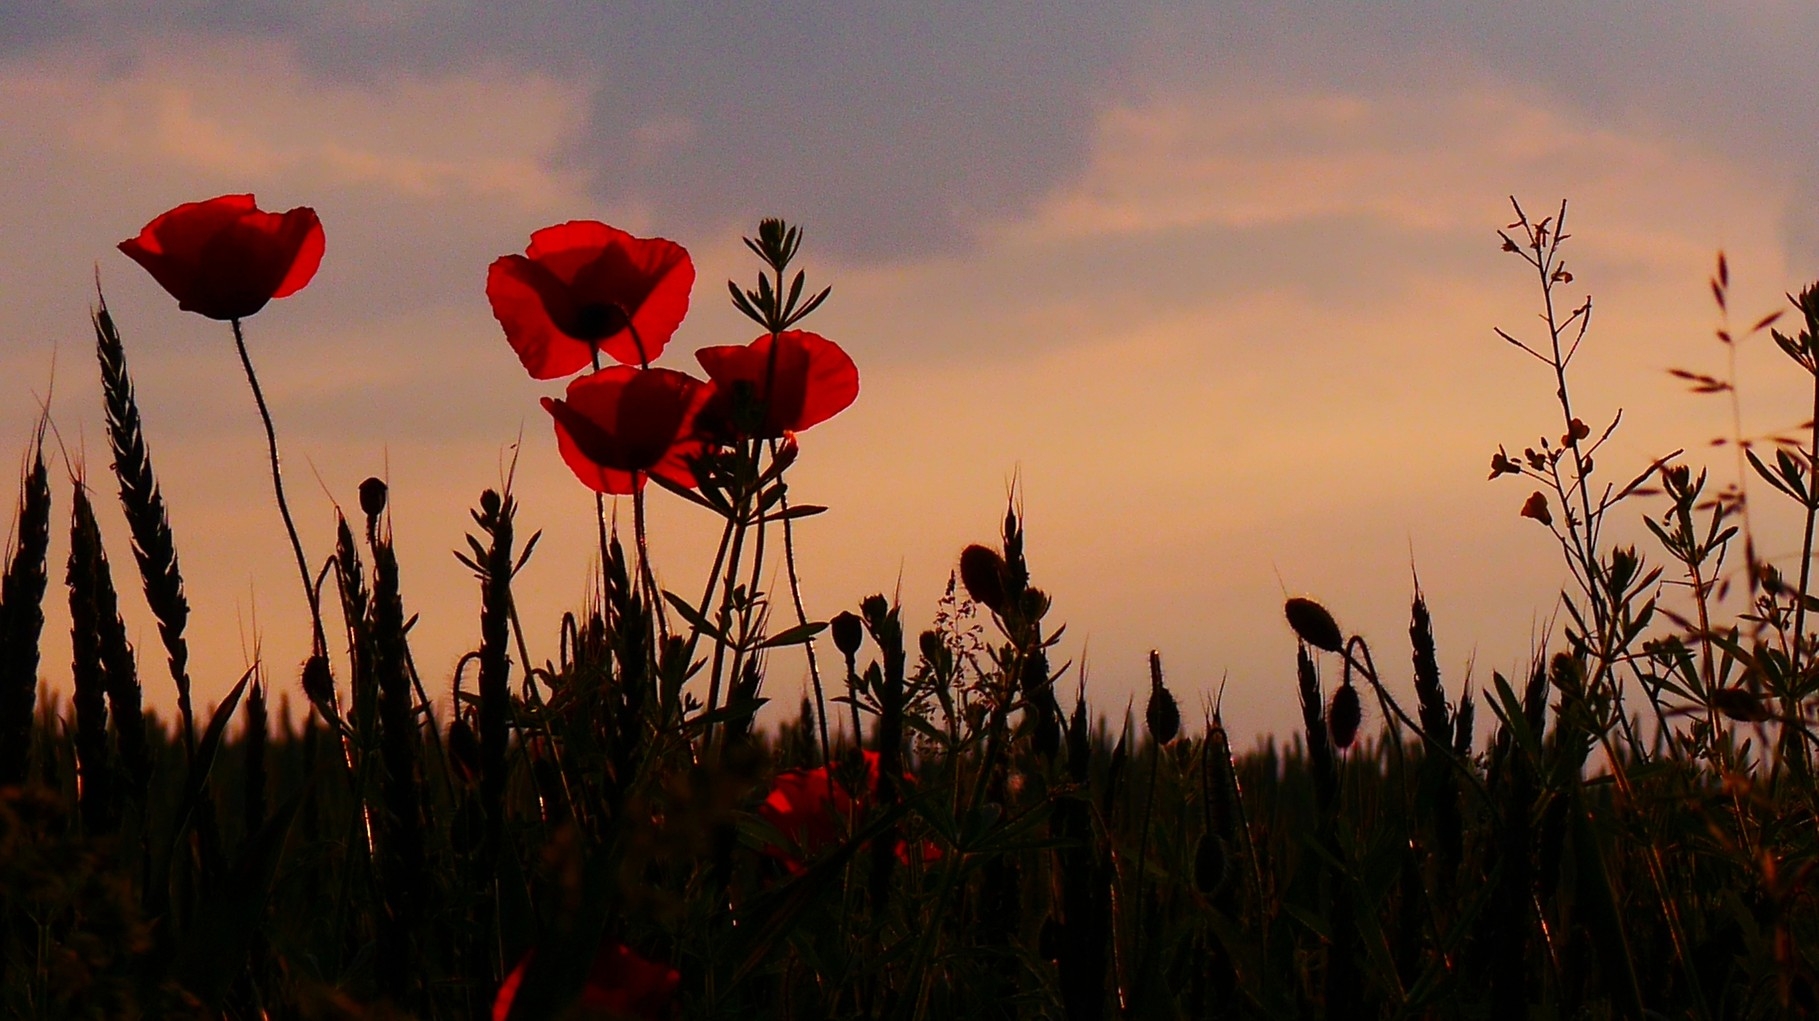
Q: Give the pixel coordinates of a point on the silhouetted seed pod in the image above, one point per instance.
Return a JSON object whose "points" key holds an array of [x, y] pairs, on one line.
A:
{"points": [[982, 572], [490, 504], [1162, 715], [1344, 716], [1035, 604], [933, 649], [1314, 625], [1741, 704], [1567, 676], [849, 633], [464, 749], [1209, 864], [372, 497], [874, 609], [319, 683]]}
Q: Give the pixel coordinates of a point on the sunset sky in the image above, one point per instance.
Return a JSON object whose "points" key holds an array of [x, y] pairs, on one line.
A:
{"points": [[1216, 288]]}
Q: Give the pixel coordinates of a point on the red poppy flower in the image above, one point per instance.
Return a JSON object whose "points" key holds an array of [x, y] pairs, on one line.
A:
{"points": [[621, 423], [225, 258], [761, 393], [582, 286], [620, 984], [815, 811]]}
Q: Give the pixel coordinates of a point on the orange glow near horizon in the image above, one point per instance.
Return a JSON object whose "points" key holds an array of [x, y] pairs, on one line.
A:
{"points": [[1242, 351]]}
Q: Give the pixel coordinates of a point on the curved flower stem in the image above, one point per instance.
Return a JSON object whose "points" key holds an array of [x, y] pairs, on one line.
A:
{"points": [[271, 441], [795, 591]]}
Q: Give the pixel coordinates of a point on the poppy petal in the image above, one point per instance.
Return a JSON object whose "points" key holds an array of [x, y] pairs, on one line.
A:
{"points": [[831, 380], [595, 476], [302, 225], [547, 352]]}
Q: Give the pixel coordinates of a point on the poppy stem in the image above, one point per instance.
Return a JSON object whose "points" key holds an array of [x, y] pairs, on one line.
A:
{"points": [[644, 360], [600, 523], [600, 506], [742, 510], [645, 576], [320, 646], [795, 591]]}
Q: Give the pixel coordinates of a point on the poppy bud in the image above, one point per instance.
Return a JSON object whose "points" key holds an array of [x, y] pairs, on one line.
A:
{"points": [[1209, 863], [318, 682], [372, 497], [1162, 715], [874, 609], [787, 452], [1344, 715], [1313, 624], [982, 572], [933, 649], [848, 631], [1035, 603], [464, 749]]}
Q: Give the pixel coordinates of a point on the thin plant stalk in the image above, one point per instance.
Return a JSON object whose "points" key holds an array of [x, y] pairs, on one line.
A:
{"points": [[284, 509], [795, 591]]}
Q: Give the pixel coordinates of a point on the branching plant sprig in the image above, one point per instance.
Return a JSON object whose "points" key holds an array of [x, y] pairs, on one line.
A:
{"points": [[1615, 598], [744, 484]]}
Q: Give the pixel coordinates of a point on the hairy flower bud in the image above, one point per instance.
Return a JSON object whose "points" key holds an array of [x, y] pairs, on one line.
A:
{"points": [[849, 633], [1313, 624], [1209, 863], [1344, 715], [319, 682], [982, 572], [372, 497], [464, 749]]}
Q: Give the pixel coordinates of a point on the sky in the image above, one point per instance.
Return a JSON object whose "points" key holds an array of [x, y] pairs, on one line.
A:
{"points": [[1210, 287]]}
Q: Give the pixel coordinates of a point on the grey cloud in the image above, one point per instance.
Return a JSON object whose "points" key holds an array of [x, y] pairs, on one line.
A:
{"points": [[889, 127], [892, 128]]}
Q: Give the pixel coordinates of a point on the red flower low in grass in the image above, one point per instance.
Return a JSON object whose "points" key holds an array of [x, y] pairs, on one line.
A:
{"points": [[583, 287], [620, 985], [773, 386], [815, 811], [225, 258], [620, 424]]}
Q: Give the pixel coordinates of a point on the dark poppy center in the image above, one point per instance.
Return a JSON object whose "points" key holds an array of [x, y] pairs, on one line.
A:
{"points": [[596, 320]]}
